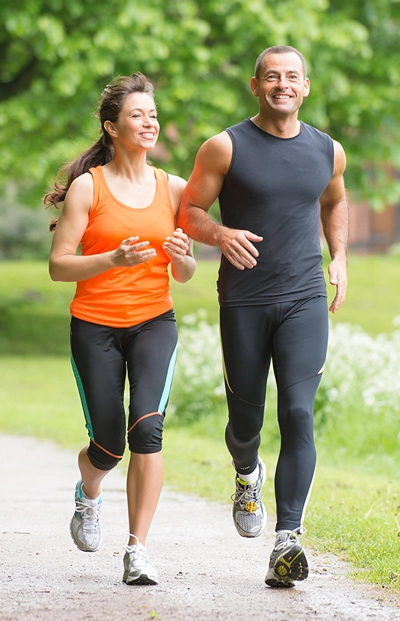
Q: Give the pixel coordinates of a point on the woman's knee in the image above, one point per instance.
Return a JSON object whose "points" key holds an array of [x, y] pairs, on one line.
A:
{"points": [[145, 436], [103, 459]]}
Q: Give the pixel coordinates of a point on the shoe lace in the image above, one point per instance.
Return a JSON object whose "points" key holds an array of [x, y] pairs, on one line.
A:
{"points": [[138, 555], [90, 514], [246, 495], [288, 536]]}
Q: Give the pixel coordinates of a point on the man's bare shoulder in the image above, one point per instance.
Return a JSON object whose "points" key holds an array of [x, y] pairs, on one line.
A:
{"points": [[339, 158], [221, 141], [216, 152]]}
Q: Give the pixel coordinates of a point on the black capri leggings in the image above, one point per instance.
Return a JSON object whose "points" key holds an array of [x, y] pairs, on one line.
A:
{"points": [[101, 356], [294, 336]]}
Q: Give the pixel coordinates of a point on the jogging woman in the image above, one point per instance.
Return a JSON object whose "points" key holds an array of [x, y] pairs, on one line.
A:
{"points": [[121, 212]]}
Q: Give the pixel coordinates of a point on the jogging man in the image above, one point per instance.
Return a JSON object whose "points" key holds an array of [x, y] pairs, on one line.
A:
{"points": [[274, 176]]}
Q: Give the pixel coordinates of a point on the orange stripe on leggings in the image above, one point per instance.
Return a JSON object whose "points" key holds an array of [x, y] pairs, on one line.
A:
{"points": [[143, 417], [105, 451]]}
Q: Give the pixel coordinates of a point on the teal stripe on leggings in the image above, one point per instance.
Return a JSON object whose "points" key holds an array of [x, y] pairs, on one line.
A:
{"points": [[83, 398], [168, 382]]}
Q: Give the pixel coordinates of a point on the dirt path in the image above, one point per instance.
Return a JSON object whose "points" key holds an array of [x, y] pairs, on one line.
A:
{"points": [[207, 572]]}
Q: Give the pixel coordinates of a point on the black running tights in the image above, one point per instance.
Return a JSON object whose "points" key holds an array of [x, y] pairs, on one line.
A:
{"points": [[294, 337]]}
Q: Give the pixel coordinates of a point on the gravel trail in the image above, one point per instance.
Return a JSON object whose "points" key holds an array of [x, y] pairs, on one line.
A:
{"points": [[207, 572]]}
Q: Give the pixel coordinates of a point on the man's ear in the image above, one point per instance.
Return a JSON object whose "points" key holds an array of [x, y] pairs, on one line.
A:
{"points": [[254, 86]]}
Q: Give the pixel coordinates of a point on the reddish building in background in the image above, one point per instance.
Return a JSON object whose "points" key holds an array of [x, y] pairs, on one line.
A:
{"points": [[372, 231]]}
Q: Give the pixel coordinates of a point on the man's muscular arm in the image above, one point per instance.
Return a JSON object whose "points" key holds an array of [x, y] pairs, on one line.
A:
{"points": [[335, 223], [203, 188]]}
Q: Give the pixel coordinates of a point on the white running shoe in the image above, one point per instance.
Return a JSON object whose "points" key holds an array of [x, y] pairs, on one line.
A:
{"points": [[248, 511], [288, 561], [85, 524], [137, 567]]}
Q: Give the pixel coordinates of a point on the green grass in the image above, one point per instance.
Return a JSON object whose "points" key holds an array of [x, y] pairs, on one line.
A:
{"points": [[354, 515], [351, 513], [34, 311], [39, 398], [373, 293], [352, 510], [34, 317], [199, 292]]}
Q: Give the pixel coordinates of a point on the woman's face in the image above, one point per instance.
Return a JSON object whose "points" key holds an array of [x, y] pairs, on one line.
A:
{"points": [[137, 126]]}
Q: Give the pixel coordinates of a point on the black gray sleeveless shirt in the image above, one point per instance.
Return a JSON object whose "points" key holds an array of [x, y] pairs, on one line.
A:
{"points": [[272, 189]]}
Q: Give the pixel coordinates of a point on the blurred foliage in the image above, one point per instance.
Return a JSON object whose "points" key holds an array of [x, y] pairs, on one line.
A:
{"points": [[24, 233], [58, 55]]}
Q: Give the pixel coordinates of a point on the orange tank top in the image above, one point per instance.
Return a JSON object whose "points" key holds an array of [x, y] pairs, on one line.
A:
{"points": [[126, 296]]}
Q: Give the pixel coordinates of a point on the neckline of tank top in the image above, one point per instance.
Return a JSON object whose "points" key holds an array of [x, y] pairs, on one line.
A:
{"points": [[273, 135], [111, 195]]}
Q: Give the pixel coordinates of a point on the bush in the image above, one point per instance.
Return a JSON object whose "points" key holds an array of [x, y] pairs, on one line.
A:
{"points": [[198, 387], [24, 233], [357, 408], [358, 403]]}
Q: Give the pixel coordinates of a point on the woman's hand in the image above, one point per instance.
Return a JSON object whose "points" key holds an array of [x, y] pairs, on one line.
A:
{"points": [[130, 253], [180, 250], [177, 246]]}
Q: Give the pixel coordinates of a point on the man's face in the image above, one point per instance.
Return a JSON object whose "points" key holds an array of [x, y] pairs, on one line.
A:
{"points": [[281, 85]]}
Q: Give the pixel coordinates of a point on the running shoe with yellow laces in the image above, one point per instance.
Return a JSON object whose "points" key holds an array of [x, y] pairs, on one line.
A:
{"points": [[85, 524], [249, 514], [288, 562]]}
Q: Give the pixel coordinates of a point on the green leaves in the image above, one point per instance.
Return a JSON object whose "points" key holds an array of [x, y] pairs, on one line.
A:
{"points": [[200, 54]]}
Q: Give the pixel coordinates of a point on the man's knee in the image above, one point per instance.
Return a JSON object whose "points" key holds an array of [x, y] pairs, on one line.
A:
{"points": [[245, 419], [244, 454], [296, 403]]}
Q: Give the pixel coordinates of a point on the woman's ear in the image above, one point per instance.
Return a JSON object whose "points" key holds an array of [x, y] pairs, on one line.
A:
{"points": [[110, 129]]}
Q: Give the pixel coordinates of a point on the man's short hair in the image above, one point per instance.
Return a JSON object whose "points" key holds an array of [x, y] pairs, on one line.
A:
{"points": [[278, 49]]}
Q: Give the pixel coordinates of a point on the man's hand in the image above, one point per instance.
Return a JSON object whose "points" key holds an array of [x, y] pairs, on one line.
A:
{"points": [[237, 247], [337, 271]]}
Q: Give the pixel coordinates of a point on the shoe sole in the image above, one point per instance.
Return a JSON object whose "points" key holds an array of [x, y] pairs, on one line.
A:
{"points": [[275, 583], [291, 566], [143, 579]]}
